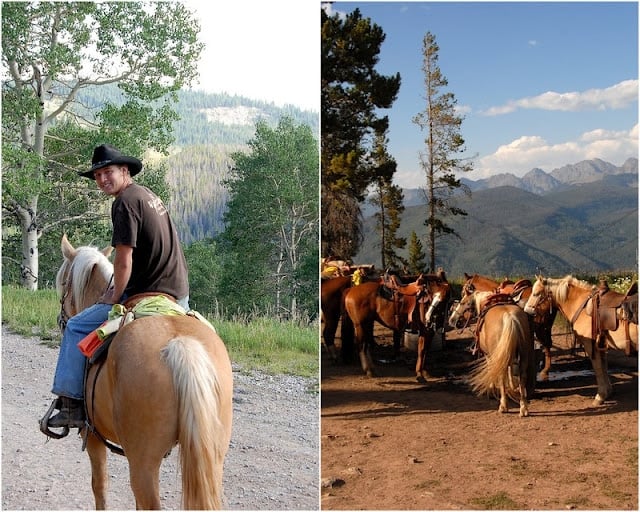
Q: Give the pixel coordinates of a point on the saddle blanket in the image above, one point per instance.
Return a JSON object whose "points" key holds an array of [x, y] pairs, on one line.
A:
{"points": [[120, 316]]}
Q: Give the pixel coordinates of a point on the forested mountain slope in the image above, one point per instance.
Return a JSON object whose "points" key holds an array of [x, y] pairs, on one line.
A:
{"points": [[510, 231]]}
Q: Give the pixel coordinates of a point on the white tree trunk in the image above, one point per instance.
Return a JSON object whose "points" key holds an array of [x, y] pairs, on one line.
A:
{"points": [[29, 263]]}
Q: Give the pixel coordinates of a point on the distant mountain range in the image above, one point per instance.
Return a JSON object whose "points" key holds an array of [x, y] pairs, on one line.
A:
{"points": [[578, 218]]}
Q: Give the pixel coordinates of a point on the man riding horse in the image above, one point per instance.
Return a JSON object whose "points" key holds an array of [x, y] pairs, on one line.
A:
{"points": [[146, 245]]}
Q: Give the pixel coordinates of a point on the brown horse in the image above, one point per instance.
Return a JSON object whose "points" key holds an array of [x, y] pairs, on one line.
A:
{"points": [[331, 291], [520, 292], [505, 338], [396, 306], [575, 299], [165, 380]]}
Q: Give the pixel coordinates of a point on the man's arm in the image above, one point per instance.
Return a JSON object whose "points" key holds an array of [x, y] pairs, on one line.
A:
{"points": [[122, 265]]}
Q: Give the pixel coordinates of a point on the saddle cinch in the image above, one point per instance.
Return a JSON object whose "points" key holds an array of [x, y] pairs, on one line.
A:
{"points": [[608, 308]]}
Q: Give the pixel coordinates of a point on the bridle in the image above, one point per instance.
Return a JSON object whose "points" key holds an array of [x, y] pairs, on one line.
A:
{"points": [[64, 316]]}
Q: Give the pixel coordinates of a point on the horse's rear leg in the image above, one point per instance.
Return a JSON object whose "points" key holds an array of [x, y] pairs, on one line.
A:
{"points": [[98, 456], [329, 335], [145, 484], [364, 340]]}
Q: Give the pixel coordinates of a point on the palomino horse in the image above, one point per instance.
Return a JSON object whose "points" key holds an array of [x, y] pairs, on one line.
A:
{"points": [[575, 300], [520, 292], [395, 306], [504, 336], [165, 380]]}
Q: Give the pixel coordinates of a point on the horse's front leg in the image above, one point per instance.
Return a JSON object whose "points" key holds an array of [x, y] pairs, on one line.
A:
{"points": [[98, 456], [504, 405], [524, 394], [424, 343], [544, 373], [601, 370]]}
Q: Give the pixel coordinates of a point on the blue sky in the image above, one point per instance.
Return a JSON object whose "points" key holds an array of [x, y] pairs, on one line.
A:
{"points": [[539, 84]]}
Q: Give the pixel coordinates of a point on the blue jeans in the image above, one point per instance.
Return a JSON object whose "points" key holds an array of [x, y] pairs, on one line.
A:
{"points": [[69, 377]]}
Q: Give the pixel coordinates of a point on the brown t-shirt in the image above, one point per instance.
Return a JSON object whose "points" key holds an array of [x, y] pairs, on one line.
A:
{"points": [[140, 220]]}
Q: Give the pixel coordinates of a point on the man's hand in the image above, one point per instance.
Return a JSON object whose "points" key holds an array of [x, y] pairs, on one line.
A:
{"points": [[108, 297]]}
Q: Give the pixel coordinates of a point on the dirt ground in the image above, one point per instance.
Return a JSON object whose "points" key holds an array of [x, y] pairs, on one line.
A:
{"points": [[390, 442]]}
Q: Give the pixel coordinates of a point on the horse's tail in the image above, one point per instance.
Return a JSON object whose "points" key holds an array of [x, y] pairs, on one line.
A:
{"points": [[200, 432], [494, 369]]}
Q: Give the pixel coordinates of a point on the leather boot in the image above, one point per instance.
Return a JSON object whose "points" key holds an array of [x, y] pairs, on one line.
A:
{"points": [[71, 414]]}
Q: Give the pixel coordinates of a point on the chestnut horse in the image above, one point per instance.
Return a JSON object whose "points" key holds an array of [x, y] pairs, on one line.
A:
{"points": [[574, 299], [505, 338], [544, 316], [331, 291], [165, 380], [395, 306]]}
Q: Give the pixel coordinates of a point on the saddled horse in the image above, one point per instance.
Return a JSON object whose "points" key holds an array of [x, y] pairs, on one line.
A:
{"points": [[396, 306], [520, 291], [505, 338], [598, 321], [166, 380]]}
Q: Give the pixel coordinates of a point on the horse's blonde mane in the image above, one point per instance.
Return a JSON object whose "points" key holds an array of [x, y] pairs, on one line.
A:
{"points": [[79, 270], [560, 287]]}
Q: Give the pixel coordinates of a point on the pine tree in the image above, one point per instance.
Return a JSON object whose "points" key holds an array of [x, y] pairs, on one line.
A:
{"points": [[416, 261], [352, 92], [388, 201], [443, 141]]}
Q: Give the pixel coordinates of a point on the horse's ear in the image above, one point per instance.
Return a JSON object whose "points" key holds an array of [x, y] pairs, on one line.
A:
{"points": [[107, 251], [467, 276], [68, 251]]}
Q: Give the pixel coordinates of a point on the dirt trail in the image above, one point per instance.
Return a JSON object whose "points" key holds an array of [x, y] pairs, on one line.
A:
{"points": [[272, 463]]}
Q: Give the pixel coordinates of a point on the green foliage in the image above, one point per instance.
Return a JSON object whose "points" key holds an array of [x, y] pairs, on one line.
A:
{"points": [[352, 93], [416, 258], [272, 222], [52, 51]]}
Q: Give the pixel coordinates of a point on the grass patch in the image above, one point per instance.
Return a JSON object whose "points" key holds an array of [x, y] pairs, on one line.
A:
{"points": [[264, 344], [499, 501]]}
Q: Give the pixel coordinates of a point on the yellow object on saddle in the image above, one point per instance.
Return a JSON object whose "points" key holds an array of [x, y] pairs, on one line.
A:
{"points": [[119, 316]]}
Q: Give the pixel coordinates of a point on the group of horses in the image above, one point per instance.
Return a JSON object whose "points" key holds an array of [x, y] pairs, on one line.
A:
{"points": [[509, 318]]}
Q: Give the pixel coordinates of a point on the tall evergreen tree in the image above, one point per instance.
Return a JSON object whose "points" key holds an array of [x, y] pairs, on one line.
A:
{"points": [[352, 91], [443, 142], [388, 199]]}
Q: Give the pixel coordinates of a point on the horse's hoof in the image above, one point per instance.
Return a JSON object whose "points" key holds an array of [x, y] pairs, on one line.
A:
{"points": [[370, 373], [421, 379], [598, 401], [544, 376]]}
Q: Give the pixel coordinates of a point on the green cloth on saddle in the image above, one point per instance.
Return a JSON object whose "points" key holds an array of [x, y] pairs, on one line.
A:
{"points": [[148, 306]]}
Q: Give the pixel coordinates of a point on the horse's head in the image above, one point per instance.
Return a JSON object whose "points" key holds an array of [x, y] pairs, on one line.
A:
{"points": [[83, 277], [539, 292], [464, 308]]}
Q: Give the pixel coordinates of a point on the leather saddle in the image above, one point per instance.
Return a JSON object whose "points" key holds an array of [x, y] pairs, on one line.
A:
{"points": [[608, 309]]}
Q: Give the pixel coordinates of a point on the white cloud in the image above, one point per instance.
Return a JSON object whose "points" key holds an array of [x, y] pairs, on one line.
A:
{"points": [[261, 50], [527, 152], [617, 96]]}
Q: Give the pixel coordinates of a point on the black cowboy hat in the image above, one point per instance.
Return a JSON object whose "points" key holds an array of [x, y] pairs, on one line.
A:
{"points": [[105, 155]]}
